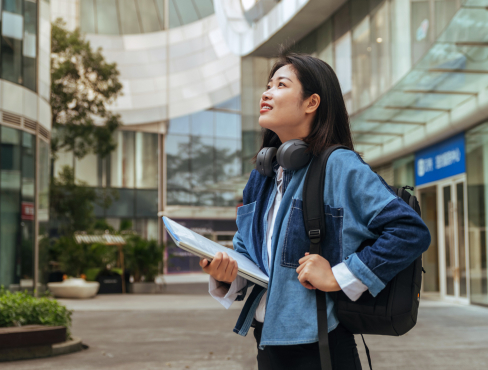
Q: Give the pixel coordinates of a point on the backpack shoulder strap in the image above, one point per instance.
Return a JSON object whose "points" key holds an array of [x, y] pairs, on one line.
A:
{"points": [[314, 218]]}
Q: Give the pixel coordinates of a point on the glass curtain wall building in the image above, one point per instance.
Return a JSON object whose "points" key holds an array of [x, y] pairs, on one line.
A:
{"points": [[24, 140]]}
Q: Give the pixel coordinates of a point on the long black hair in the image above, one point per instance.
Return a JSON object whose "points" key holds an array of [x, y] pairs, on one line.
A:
{"points": [[331, 124]]}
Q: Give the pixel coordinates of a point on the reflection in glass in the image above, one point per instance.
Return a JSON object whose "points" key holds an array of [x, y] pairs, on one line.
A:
{"points": [[430, 260], [444, 11], [30, 45], [149, 16], [227, 125], [43, 184], [129, 21], [362, 65], [186, 11], [477, 182], [122, 161], [380, 50], [86, 169], [202, 123], [107, 20], [448, 242], [146, 160], [420, 29], [461, 244], [343, 61], [10, 200], [87, 16], [12, 36]]}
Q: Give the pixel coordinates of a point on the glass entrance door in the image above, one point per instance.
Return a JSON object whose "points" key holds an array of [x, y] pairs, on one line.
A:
{"points": [[453, 231]]}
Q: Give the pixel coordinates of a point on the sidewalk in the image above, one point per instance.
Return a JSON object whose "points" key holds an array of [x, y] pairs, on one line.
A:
{"points": [[177, 331]]}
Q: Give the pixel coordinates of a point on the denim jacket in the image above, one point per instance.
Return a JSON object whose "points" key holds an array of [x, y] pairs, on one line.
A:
{"points": [[358, 205]]}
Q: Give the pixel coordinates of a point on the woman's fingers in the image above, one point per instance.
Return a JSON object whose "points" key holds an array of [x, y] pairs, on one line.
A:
{"points": [[203, 263]]}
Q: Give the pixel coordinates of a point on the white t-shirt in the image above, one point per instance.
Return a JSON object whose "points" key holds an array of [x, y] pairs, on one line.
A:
{"points": [[352, 286]]}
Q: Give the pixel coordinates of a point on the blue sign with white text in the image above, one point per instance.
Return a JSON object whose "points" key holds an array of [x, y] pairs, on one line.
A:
{"points": [[440, 161]]}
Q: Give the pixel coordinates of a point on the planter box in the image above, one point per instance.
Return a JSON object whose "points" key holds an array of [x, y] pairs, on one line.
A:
{"points": [[146, 288], [31, 335]]}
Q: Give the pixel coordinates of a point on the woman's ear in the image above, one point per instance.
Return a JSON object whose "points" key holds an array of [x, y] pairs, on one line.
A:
{"points": [[313, 103]]}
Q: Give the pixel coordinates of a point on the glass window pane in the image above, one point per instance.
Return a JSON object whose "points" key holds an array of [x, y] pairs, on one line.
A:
{"points": [[420, 29], [380, 53], [146, 203], [178, 169], [30, 45], [361, 65], [174, 17], [204, 7], [444, 11], [180, 125], [227, 159], [12, 36], [87, 16], [146, 160], [43, 184], [187, 11], [122, 161], [160, 7], [123, 207], [477, 179], [128, 17], [202, 123], [13, 6], [86, 169], [149, 16], [10, 201], [325, 44], [28, 166], [227, 125], [343, 62], [107, 20]]}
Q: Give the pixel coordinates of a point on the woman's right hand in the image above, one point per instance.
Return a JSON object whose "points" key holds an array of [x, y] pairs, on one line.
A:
{"points": [[223, 268]]}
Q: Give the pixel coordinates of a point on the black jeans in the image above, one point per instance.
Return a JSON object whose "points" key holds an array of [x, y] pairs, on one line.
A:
{"points": [[343, 352]]}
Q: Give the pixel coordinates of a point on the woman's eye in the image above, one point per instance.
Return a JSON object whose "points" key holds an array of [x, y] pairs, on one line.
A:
{"points": [[281, 83], [268, 87]]}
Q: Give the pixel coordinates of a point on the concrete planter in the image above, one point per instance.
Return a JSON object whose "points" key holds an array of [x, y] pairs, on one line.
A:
{"points": [[74, 288]]}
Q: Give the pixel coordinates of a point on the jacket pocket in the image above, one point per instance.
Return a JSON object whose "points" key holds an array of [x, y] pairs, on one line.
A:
{"points": [[244, 219], [297, 243]]}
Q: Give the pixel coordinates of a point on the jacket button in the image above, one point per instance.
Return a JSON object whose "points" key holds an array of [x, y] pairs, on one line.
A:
{"points": [[347, 258]]}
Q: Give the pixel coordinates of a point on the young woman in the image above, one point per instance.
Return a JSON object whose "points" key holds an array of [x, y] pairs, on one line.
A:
{"points": [[303, 100]]}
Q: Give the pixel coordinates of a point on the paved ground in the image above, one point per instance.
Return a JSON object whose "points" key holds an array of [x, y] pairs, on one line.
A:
{"points": [[192, 331]]}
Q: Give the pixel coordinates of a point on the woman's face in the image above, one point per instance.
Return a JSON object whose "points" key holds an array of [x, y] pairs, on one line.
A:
{"points": [[282, 109]]}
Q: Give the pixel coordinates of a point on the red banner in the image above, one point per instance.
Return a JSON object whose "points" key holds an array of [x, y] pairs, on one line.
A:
{"points": [[27, 211]]}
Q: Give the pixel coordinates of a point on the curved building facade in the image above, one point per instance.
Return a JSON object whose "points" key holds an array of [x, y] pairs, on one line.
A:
{"points": [[179, 145], [413, 74], [25, 128]]}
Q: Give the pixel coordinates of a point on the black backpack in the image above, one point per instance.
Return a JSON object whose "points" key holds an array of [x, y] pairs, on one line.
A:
{"points": [[394, 310]]}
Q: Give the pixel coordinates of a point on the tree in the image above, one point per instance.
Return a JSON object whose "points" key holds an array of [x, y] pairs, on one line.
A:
{"points": [[82, 85]]}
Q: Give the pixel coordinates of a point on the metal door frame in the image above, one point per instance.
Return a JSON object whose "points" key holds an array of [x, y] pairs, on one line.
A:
{"points": [[452, 182]]}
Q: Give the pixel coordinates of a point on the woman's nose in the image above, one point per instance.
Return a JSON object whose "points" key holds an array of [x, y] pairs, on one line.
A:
{"points": [[266, 95]]}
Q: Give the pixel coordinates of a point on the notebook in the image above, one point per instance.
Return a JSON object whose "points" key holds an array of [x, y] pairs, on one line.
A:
{"points": [[202, 247]]}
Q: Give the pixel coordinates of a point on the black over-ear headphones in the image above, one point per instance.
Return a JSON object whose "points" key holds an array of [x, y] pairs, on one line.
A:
{"points": [[290, 155]]}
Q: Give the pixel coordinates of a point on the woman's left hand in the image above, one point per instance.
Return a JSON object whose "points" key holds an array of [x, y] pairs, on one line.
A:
{"points": [[315, 272]]}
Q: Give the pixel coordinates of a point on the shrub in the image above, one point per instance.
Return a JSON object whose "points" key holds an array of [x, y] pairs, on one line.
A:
{"points": [[20, 308], [142, 257]]}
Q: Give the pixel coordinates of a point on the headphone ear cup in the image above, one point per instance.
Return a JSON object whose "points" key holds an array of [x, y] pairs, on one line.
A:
{"points": [[292, 156], [264, 161]]}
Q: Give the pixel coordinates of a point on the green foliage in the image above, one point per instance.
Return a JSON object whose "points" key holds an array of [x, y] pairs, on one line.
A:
{"points": [[82, 85], [142, 257], [76, 258], [72, 202], [19, 309]]}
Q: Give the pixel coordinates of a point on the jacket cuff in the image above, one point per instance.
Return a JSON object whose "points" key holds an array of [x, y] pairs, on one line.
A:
{"points": [[226, 296], [350, 284], [363, 273]]}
